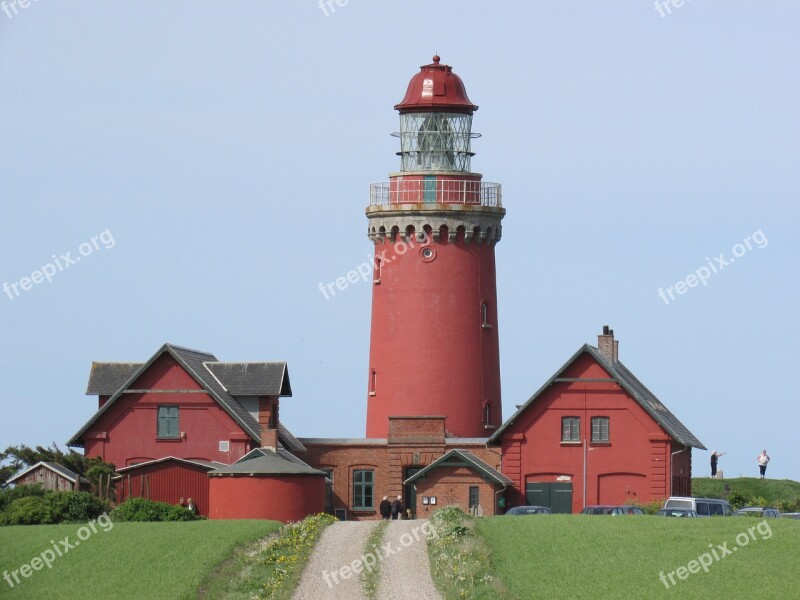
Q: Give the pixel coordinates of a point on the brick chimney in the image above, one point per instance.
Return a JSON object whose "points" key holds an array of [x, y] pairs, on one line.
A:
{"points": [[268, 420], [607, 345]]}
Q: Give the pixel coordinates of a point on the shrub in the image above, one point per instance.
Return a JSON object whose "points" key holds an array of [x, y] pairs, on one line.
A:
{"points": [[141, 509], [74, 506], [8, 495], [649, 508], [29, 510]]}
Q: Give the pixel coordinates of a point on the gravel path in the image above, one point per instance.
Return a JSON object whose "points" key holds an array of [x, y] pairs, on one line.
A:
{"points": [[339, 546], [406, 575]]}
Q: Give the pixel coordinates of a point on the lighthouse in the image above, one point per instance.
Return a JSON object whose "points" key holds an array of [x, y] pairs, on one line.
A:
{"points": [[434, 337]]}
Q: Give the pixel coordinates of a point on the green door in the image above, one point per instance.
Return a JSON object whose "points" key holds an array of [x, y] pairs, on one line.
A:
{"points": [[429, 191], [410, 492], [556, 496]]}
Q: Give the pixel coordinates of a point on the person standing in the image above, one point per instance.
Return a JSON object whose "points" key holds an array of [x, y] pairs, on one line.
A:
{"points": [[386, 509], [191, 506], [397, 508], [763, 459], [714, 458]]}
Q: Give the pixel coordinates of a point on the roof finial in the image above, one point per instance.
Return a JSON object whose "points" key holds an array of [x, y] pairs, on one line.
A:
{"points": [[436, 58]]}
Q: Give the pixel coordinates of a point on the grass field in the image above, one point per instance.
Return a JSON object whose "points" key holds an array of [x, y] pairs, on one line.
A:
{"points": [[773, 490], [130, 560], [575, 556]]}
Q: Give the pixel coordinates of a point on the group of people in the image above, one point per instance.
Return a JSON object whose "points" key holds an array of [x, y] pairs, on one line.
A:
{"points": [[391, 509], [762, 459], [188, 505]]}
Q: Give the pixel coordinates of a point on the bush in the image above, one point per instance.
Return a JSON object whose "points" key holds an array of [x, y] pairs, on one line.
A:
{"points": [[649, 508], [30, 510], [8, 495], [141, 509], [67, 507]]}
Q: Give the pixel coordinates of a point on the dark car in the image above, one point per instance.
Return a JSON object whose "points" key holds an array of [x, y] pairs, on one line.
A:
{"points": [[676, 512], [529, 510], [607, 509], [757, 511]]}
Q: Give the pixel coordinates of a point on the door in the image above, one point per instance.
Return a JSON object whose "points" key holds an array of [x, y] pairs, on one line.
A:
{"points": [[410, 492], [429, 193], [556, 496]]}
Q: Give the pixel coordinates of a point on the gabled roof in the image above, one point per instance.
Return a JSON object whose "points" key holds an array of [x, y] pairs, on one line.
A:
{"points": [[252, 379], [106, 378], [207, 464], [263, 461], [194, 361], [462, 458], [628, 382], [55, 467]]}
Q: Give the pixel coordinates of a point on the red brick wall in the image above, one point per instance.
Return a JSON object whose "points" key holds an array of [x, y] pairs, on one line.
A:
{"points": [[387, 460], [450, 485]]}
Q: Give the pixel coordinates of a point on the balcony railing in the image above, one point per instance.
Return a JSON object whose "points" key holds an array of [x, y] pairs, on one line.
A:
{"points": [[435, 191]]}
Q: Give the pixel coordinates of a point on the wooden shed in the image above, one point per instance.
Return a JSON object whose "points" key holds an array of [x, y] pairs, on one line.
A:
{"points": [[51, 476]]}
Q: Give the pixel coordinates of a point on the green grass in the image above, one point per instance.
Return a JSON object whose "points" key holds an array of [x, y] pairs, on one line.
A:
{"points": [[575, 556], [131, 560], [775, 491], [371, 579]]}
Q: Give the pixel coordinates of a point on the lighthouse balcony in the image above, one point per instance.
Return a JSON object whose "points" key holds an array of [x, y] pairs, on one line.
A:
{"points": [[435, 190]]}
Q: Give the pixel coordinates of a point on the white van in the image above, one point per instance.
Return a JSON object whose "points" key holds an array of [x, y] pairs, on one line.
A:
{"points": [[705, 507]]}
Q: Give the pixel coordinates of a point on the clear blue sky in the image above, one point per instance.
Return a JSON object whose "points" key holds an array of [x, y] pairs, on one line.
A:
{"points": [[227, 148]]}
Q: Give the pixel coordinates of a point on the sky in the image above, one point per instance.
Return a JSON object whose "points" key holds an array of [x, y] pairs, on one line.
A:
{"points": [[209, 164]]}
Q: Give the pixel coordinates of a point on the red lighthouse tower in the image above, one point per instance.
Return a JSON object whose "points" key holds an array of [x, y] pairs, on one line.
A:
{"points": [[434, 342]]}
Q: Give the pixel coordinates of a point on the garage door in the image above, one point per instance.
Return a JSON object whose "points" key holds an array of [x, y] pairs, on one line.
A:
{"points": [[557, 496]]}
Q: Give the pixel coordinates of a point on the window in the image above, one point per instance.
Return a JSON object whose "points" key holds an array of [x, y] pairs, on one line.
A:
{"points": [[373, 382], [329, 491], [487, 414], [474, 497], [363, 489], [599, 429], [168, 422], [570, 429], [485, 315]]}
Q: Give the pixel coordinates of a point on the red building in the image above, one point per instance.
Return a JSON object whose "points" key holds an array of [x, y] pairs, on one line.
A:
{"points": [[594, 434]]}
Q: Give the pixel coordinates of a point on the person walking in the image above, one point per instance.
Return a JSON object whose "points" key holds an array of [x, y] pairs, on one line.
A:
{"points": [[386, 509], [397, 508], [763, 459], [714, 458]]}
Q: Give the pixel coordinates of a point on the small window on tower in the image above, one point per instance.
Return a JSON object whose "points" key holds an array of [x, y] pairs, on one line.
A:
{"points": [[485, 315], [376, 276], [373, 382], [487, 416]]}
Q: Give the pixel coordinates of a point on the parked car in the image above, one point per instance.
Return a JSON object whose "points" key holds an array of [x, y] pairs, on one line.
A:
{"points": [[794, 515], [757, 512], [704, 507], [529, 510], [608, 509], [676, 512]]}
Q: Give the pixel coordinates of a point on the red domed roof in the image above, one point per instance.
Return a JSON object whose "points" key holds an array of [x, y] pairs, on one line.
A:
{"points": [[436, 88]]}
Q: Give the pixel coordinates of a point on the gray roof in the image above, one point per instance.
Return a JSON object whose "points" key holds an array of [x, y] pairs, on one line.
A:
{"points": [[253, 379], [106, 378], [462, 458], [55, 467], [194, 361], [628, 382], [262, 461], [346, 441], [208, 464]]}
